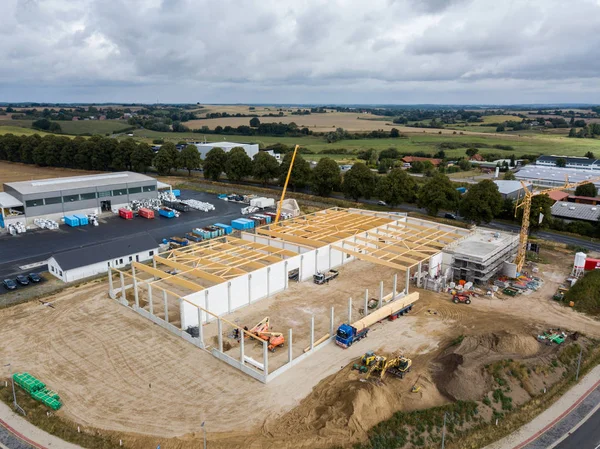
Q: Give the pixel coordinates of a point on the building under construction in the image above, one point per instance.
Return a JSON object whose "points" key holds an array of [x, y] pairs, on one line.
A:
{"points": [[481, 256]]}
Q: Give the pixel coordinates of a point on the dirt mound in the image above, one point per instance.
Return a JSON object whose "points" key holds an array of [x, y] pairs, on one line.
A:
{"points": [[461, 368]]}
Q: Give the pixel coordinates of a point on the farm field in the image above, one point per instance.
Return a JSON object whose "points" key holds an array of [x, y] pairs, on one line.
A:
{"points": [[419, 141], [70, 127], [13, 172]]}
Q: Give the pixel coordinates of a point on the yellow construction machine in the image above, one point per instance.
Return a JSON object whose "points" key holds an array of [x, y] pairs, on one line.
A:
{"points": [[368, 358], [287, 179], [377, 365], [398, 366]]}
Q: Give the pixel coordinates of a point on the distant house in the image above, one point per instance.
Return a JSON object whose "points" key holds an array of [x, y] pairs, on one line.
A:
{"points": [[75, 119], [583, 200], [511, 189], [581, 163], [411, 159], [102, 117], [477, 157]]}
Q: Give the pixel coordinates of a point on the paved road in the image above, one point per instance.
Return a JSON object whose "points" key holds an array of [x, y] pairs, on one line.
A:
{"points": [[585, 437], [9, 441], [39, 245]]}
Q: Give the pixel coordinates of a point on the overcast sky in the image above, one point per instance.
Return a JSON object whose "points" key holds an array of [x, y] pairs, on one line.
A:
{"points": [[308, 51]]}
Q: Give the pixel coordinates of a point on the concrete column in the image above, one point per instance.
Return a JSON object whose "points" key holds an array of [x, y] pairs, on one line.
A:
{"points": [[329, 249], [220, 333], [312, 332], [268, 281], [249, 288], [331, 322], [166, 305], [181, 315], [380, 294], [110, 282], [266, 358], [316, 261], [154, 263], [285, 275], [343, 254], [349, 310], [366, 302], [300, 270], [150, 303], [395, 287], [123, 287], [200, 329], [135, 293], [407, 280], [290, 353], [419, 275], [242, 337], [206, 304], [229, 297]]}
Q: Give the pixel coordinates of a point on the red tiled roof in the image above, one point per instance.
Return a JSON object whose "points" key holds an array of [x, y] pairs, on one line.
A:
{"points": [[558, 195]]}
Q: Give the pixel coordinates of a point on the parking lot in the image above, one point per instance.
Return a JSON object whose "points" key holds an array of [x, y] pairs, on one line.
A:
{"points": [[38, 245]]}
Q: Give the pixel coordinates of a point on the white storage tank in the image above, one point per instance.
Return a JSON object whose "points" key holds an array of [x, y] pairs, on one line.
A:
{"points": [[580, 260]]}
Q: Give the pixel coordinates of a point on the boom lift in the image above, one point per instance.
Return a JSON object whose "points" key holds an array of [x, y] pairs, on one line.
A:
{"points": [[287, 179], [261, 330], [525, 203]]}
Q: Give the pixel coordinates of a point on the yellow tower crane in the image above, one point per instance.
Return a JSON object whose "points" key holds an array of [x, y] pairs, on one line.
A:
{"points": [[287, 179], [525, 203]]}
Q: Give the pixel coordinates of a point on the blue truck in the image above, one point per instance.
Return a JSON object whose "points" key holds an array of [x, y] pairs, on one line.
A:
{"points": [[348, 334]]}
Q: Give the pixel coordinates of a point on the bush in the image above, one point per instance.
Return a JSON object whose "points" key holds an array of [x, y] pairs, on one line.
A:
{"points": [[586, 293]]}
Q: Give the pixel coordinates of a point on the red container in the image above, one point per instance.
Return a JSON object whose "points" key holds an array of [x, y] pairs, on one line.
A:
{"points": [[146, 213], [591, 264], [126, 214]]}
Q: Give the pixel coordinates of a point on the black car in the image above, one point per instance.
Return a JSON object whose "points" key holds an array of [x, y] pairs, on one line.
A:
{"points": [[9, 284], [449, 216], [34, 277], [22, 279]]}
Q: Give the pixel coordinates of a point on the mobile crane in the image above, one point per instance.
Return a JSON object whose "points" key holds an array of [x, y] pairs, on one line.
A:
{"points": [[261, 330]]}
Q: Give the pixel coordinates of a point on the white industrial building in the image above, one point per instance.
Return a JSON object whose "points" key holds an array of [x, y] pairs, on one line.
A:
{"points": [[576, 211], [512, 189], [578, 163], [554, 176], [87, 261], [251, 149]]}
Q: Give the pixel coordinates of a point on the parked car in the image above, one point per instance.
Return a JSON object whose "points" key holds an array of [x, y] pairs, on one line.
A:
{"points": [[34, 277], [22, 279], [449, 216], [9, 284], [381, 203]]}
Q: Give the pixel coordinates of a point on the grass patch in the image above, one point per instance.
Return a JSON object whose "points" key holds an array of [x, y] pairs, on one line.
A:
{"points": [[586, 293]]}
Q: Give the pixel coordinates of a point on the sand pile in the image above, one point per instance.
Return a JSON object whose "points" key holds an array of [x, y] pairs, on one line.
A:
{"points": [[461, 373]]}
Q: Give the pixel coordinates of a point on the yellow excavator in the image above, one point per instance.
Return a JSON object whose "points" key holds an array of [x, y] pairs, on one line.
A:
{"points": [[398, 366], [377, 365]]}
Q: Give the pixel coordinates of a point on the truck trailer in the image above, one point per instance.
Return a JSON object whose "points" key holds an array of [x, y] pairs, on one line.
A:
{"points": [[349, 333], [323, 278]]}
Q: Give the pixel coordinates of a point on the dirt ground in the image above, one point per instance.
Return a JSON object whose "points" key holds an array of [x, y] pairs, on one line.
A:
{"points": [[13, 172], [120, 373]]}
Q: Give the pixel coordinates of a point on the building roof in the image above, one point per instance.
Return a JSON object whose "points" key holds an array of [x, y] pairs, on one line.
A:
{"points": [[7, 201], [583, 161], [557, 195], [508, 187], [102, 252], [576, 211], [580, 197], [476, 157], [78, 182], [555, 175], [409, 159]]}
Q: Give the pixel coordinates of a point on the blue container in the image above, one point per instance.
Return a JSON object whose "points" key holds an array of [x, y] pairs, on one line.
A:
{"points": [[248, 224], [83, 219], [228, 229], [71, 220], [177, 193], [240, 224], [461, 189], [222, 196], [166, 213]]}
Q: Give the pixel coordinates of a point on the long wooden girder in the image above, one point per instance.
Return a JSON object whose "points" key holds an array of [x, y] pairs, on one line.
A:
{"points": [[382, 254], [393, 248], [168, 277], [235, 258], [205, 264], [262, 247], [292, 238], [372, 259], [427, 240], [185, 269]]}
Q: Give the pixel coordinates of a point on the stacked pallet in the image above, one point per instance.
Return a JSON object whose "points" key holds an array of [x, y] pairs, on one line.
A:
{"points": [[37, 390]]}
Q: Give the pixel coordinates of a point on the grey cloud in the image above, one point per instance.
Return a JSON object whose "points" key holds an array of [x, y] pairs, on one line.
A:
{"points": [[274, 50]]}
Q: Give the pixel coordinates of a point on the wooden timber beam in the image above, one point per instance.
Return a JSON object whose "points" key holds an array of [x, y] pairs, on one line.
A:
{"points": [[372, 259], [262, 247], [168, 277], [190, 270], [291, 238]]}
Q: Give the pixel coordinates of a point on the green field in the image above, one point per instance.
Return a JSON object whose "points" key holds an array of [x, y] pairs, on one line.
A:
{"points": [[20, 131], [73, 127], [429, 143]]}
